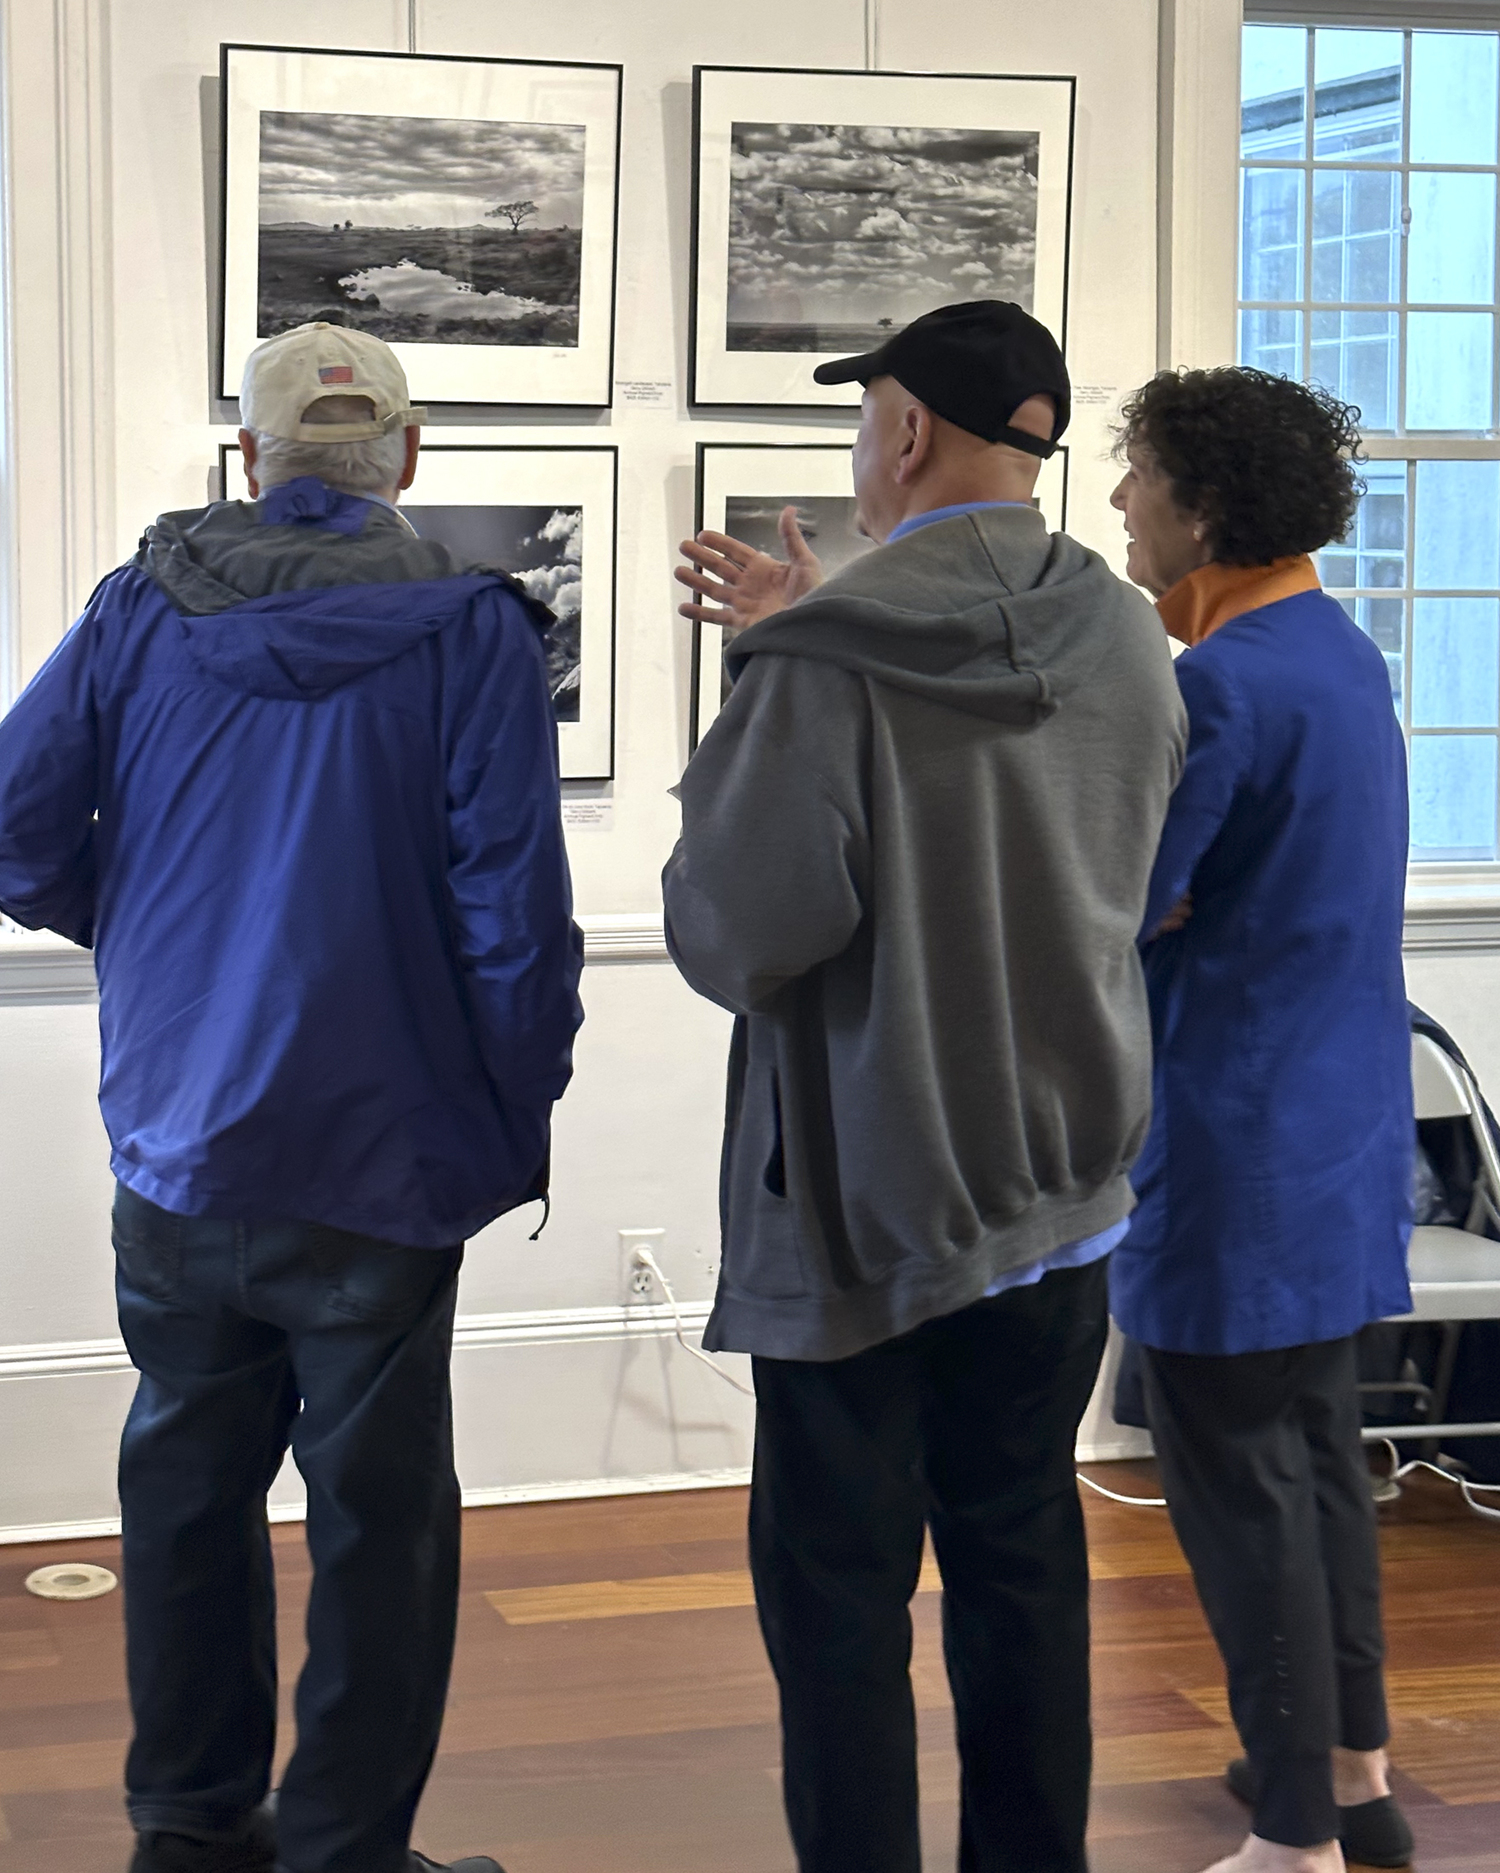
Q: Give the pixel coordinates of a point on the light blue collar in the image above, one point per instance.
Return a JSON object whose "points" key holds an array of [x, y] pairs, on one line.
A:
{"points": [[913, 521]]}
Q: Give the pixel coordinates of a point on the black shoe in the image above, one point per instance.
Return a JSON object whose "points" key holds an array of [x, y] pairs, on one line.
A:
{"points": [[1375, 1833], [157, 1851], [476, 1863]]}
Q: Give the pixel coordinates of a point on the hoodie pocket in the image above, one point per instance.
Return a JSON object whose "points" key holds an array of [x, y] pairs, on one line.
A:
{"points": [[774, 1175], [762, 1252]]}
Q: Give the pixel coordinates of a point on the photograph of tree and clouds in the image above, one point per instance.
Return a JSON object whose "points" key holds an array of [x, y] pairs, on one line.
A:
{"points": [[421, 230], [839, 233]]}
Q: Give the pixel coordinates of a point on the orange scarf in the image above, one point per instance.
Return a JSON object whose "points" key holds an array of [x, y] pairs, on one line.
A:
{"points": [[1197, 605]]}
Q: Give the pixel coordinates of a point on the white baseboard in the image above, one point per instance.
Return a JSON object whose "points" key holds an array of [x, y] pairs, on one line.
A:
{"points": [[550, 1405]]}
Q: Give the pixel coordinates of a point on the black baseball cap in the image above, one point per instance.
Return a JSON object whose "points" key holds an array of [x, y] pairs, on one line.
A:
{"points": [[974, 364]]}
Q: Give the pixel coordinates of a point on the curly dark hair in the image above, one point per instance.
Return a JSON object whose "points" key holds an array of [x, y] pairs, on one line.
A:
{"points": [[1266, 463]]}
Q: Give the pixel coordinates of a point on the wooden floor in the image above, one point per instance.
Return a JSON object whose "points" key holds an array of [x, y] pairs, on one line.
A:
{"points": [[612, 1711]]}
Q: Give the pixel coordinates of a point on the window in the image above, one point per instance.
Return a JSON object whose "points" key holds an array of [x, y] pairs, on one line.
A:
{"points": [[1370, 169]]}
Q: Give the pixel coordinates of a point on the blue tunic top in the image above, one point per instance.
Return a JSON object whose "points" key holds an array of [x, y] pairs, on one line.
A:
{"points": [[1275, 1184]]}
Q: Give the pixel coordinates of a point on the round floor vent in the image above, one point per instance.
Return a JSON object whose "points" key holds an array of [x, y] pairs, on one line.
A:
{"points": [[71, 1580]]}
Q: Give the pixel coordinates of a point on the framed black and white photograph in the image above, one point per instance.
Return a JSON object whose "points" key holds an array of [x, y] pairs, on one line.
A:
{"points": [[547, 517], [743, 488], [462, 209], [832, 208]]}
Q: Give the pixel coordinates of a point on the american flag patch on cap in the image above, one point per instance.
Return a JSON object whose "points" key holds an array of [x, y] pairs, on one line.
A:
{"points": [[336, 374]]}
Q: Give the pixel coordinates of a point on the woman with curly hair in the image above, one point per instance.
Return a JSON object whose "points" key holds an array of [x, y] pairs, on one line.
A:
{"points": [[1274, 1187]]}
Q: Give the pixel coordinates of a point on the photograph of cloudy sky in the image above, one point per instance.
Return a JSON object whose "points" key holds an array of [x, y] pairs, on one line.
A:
{"points": [[421, 229], [829, 524], [542, 548], [840, 233]]}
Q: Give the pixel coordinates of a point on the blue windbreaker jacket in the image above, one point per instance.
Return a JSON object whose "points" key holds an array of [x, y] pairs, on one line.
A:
{"points": [[1275, 1184], [313, 836]]}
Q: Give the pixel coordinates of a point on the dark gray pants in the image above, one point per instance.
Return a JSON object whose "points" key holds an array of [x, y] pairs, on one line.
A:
{"points": [[1270, 1495], [965, 1425]]}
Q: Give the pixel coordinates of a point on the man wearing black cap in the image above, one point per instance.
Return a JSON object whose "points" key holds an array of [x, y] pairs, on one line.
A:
{"points": [[914, 858]]}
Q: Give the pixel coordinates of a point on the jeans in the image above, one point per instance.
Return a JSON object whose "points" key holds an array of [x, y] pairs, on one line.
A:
{"points": [[1270, 1495], [968, 1425], [249, 1336]]}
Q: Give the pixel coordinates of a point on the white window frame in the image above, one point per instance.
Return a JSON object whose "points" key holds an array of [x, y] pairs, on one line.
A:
{"points": [[1436, 886]]}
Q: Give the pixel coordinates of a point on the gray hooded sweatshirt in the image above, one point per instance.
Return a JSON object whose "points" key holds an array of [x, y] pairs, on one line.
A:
{"points": [[914, 857]]}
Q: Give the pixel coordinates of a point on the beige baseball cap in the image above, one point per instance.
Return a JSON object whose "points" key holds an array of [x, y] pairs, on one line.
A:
{"points": [[286, 374]]}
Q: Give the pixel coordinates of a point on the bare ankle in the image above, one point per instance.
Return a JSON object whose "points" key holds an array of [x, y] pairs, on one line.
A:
{"points": [[1360, 1775], [1266, 1856]]}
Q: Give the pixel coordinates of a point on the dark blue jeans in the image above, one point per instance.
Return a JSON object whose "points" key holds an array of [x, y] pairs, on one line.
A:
{"points": [[249, 1336]]}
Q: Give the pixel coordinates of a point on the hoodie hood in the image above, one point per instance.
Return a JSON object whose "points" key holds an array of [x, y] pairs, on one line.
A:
{"points": [[980, 613], [304, 590]]}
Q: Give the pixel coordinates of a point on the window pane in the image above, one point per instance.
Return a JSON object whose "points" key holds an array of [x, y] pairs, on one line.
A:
{"points": [[1455, 659], [1383, 620], [1372, 557], [1273, 85], [1379, 532], [1356, 223], [1449, 370], [1455, 79], [1354, 355], [1271, 234], [1272, 341], [1450, 255], [1453, 796], [1357, 94], [1458, 525]]}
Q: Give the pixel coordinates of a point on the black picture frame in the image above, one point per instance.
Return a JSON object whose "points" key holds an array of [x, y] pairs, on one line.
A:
{"points": [[1052, 493], [237, 333], [706, 375], [586, 748]]}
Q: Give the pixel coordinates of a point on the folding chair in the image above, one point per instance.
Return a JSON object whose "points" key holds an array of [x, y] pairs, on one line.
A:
{"points": [[1455, 1273]]}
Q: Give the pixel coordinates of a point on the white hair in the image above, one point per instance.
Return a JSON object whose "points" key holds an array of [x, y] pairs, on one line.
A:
{"points": [[372, 466]]}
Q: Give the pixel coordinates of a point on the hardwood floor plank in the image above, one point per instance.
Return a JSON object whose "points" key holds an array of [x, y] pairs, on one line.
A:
{"points": [[1443, 1692], [60, 1766], [622, 1599], [1162, 1755], [640, 1735], [1457, 1758], [27, 1649]]}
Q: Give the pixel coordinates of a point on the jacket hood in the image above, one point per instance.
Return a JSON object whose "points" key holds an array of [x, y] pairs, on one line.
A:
{"points": [[981, 613], [303, 590]]}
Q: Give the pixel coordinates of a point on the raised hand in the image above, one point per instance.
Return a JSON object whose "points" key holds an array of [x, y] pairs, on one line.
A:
{"points": [[741, 585]]}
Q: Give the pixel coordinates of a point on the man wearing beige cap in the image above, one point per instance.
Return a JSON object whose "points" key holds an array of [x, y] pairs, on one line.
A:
{"points": [[293, 776]]}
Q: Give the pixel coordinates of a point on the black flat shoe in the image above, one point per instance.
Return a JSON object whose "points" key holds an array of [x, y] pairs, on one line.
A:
{"points": [[1375, 1833], [476, 1863], [159, 1852]]}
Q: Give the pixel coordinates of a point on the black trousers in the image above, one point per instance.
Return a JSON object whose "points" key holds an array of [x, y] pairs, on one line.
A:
{"points": [[249, 1336], [968, 1424], [1270, 1495]]}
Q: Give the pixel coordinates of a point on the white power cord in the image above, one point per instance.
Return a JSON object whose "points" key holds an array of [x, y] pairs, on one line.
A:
{"points": [[643, 1258], [1136, 1502], [1470, 1490], [1398, 1470]]}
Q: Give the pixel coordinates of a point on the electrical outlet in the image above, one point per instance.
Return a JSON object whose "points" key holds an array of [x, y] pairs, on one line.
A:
{"points": [[635, 1279]]}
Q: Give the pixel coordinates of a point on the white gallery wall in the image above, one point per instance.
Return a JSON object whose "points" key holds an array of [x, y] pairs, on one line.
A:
{"points": [[111, 122]]}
